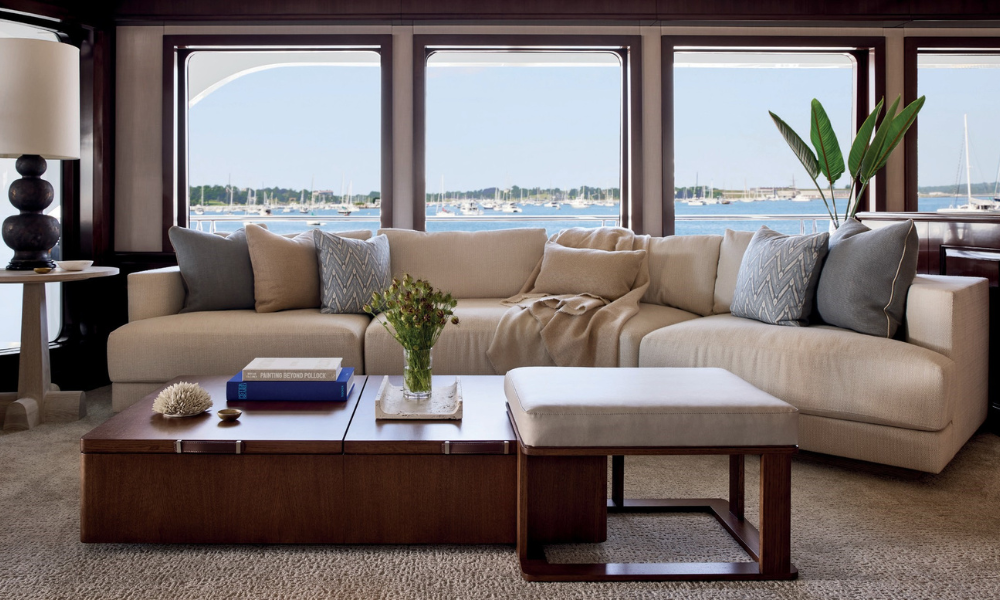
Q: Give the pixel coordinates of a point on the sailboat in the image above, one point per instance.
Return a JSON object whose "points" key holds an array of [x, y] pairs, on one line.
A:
{"points": [[976, 205], [200, 209]]}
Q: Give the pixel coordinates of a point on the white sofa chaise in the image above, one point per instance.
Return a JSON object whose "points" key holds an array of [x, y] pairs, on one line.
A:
{"points": [[911, 402]]}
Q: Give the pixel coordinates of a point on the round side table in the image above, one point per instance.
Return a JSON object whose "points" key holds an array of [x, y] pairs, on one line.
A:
{"points": [[37, 400]]}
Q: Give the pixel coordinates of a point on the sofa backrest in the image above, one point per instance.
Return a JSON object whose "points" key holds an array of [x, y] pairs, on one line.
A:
{"points": [[682, 272], [468, 264], [734, 246]]}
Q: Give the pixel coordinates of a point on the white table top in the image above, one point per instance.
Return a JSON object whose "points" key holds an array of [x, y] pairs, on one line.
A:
{"points": [[55, 275]]}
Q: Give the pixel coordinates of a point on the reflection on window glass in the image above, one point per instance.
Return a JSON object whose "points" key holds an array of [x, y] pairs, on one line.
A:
{"points": [[729, 159], [10, 294], [292, 138], [958, 143], [523, 139]]}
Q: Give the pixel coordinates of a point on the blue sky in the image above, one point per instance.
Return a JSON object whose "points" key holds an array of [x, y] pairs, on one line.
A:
{"points": [[282, 127], [951, 93], [557, 126]]}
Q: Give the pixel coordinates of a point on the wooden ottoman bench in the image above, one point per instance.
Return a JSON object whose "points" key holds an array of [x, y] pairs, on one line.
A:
{"points": [[560, 412]]}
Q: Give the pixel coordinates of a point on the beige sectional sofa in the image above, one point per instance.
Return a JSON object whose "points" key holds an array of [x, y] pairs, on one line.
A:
{"points": [[911, 403]]}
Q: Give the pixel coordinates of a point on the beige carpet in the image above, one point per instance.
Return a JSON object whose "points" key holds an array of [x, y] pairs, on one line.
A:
{"points": [[859, 531]]}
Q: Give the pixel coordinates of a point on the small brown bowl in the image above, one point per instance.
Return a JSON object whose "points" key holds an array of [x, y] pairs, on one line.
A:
{"points": [[229, 414], [42, 270]]}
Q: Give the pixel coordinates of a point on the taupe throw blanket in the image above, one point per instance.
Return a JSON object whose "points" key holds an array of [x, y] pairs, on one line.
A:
{"points": [[569, 330]]}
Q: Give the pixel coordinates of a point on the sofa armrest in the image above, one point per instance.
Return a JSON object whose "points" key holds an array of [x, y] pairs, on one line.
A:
{"points": [[155, 293], [949, 315]]}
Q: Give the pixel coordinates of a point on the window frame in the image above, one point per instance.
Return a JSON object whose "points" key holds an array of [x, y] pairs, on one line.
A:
{"points": [[177, 49], [868, 52], [627, 47], [911, 49]]}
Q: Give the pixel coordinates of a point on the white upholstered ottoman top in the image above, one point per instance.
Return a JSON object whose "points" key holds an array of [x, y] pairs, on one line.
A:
{"points": [[665, 407]]}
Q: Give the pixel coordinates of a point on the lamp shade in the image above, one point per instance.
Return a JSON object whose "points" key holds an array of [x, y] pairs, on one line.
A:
{"points": [[39, 99]]}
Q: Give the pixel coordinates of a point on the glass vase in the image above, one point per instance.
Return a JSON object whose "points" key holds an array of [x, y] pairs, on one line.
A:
{"points": [[417, 373]]}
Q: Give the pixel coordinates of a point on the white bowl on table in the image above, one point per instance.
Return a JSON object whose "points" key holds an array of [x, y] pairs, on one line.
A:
{"points": [[74, 265]]}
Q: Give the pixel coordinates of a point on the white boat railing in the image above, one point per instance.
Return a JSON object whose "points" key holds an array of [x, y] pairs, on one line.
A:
{"points": [[807, 223]]}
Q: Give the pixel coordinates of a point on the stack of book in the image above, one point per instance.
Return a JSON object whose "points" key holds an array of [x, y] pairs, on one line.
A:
{"points": [[294, 379]]}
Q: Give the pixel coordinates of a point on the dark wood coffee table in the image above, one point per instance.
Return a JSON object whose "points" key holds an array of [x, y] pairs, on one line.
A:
{"points": [[308, 472]]}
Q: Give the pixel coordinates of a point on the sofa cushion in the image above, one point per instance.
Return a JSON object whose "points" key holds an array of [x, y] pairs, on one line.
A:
{"points": [[461, 349], [468, 264], [649, 318], [285, 271], [731, 251], [867, 273], [778, 275], [822, 371], [607, 407], [223, 342], [682, 272], [217, 271], [608, 275], [350, 271]]}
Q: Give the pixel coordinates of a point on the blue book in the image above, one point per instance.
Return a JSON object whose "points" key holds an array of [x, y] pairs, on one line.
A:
{"points": [[300, 391]]}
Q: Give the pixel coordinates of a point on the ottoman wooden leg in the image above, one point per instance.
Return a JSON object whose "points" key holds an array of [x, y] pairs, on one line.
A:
{"points": [[775, 515], [736, 485]]}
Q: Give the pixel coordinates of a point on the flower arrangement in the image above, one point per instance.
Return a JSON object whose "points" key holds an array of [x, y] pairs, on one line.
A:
{"points": [[417, 314]]}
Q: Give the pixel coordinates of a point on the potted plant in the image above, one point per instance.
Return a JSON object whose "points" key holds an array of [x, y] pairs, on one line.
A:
{"points": [[869, 152], [417, 313]]}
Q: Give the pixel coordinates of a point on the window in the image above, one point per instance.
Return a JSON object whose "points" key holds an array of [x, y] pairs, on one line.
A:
{"points": [[526, 131], [513, 136], [958, 149], [292, 135], [728, 167], [10, 294]]}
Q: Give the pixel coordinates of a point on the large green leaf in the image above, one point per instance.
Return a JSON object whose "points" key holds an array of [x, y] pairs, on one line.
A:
{"points": [[828, 155], [798, 146], [897, 129], [870, 159], [862, 141]]}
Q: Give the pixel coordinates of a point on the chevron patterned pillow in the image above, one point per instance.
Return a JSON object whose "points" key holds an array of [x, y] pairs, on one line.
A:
{"points": [[350, 271], [777, 278]]}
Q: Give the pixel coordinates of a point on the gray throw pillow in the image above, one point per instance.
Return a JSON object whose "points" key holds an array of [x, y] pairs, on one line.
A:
{"points": [[350, 271], [777, 278], [216, 270], [866, 277]]}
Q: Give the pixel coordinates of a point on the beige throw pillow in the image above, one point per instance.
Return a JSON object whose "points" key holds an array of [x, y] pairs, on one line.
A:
{"points": [[682, 271], [609, 275], [734, 246], [286, 273]]}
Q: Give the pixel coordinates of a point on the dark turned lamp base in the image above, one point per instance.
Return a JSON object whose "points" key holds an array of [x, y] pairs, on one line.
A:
{"points": [[31, 234]]}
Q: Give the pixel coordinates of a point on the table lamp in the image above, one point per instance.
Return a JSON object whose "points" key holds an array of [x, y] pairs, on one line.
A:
{"points": [[39, 119]]}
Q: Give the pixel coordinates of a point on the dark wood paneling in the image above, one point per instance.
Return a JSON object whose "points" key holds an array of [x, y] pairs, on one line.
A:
{"points": [[568, 499], [590, 10], [211, 498], [424, 499], [667, 133]]}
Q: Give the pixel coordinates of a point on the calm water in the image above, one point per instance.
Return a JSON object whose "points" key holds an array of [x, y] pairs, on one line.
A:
{"points": [[562, 218]]}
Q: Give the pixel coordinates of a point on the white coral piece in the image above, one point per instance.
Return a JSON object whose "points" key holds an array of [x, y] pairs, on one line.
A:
{"points": [[183, 400]]}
